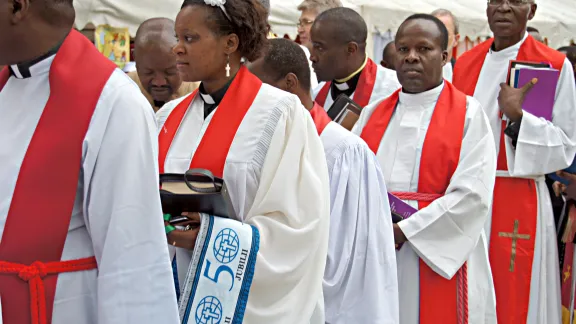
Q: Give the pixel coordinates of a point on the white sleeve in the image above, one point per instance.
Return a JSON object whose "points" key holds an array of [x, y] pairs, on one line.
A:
{"points": [[445, 233], [123, 215], [291, 210], [360, 281], [544, 147]]}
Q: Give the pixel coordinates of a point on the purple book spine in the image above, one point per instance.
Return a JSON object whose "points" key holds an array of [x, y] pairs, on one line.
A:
{"points": [[540, 99], [400, 208]]}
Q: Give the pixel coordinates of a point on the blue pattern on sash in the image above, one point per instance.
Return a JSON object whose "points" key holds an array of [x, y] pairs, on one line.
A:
{"points": [[205, 296]]}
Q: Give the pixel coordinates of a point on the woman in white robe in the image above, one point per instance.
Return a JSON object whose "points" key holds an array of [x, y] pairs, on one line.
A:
{"points": [[275, 168]]}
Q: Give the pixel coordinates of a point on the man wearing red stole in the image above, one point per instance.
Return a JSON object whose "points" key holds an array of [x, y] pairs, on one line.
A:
{"points": [[436, 152], [522, 246], [80, 214], [340, 62]]}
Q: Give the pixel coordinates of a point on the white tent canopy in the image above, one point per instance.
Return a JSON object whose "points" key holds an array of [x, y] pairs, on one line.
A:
{"points": [[556, 19]]}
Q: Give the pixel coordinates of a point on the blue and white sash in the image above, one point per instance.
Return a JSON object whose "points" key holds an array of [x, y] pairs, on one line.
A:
{"points": [[220, 273]]}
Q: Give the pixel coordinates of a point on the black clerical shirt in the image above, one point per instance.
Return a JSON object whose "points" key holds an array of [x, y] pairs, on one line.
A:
{"points": [[212, 100], [346, 88]]}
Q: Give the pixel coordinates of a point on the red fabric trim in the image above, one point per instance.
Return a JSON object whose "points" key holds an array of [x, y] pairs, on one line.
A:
{"points": [[363, 90], [441, 300], [35, 238], [418, 196], [566, 278], [320, 118], [374, 130], [512, 285], [323, 94], [213, 149], [170, 128], [34, 275], [4, 76]]}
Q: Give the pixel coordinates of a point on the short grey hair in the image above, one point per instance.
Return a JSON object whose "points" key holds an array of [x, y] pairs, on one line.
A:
{"points": [[444, 13], [319, 5], [266, 4]]}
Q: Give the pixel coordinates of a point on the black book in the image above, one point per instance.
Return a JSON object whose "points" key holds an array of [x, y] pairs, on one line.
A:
{"points": [[345, 111], [195, 191]]}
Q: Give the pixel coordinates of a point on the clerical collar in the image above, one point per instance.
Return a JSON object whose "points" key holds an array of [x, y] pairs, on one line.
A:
{"points": [[212, 100], [510, 49], [36, 66], [422, 98], [347, 85]]}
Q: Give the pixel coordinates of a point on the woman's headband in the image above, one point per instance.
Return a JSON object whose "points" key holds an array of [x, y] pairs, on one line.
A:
{"points": [[218, 3]]}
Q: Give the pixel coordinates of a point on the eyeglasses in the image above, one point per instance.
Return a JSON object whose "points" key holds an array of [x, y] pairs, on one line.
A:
{"points": [[303, 23], [510, 2]]}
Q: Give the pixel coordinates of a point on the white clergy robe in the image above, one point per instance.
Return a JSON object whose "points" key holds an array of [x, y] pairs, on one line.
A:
{"points": [[277, 179], [451, 229], [542, 147], [386, 83], [360, 281], [117, 216]]}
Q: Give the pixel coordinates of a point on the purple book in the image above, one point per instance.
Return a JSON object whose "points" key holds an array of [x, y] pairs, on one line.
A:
{"points": [[400, 210], [540, 99]]}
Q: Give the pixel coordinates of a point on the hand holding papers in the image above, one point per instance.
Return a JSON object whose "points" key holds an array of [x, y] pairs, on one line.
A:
{"points": [[184, 196], [511, 99], [531, 87], [400, 211], [195, 191]]}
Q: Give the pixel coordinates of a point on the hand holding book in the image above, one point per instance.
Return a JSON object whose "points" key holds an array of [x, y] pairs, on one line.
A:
{"points": [[511, 99], [185, 233]]}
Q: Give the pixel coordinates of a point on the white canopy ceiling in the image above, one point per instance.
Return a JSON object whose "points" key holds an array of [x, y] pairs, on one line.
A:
{"points": [[556, 19]]}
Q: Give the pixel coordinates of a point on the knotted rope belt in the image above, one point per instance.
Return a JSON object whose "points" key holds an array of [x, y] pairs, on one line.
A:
{"points": [[34, 275]]}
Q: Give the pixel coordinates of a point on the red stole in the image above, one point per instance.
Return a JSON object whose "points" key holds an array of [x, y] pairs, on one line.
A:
{"points": [[566, 277], [363, 90], [515, 204], [441, 301], [215, 144], [320, 118], [33, 240]]}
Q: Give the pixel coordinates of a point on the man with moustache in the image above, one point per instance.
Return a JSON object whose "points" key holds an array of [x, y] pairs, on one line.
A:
{"points": [[523, 249], [156, 72], [436, 152]]}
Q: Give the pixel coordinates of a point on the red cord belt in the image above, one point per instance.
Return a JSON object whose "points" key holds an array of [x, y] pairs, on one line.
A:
{"points": [[462, 274], [34, 275]]}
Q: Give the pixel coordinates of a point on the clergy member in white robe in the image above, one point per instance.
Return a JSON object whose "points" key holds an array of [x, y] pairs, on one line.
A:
{"points": [[521, 229], [434, 145], [274, 166], [340, 62], [89, 145], [360, 283]]}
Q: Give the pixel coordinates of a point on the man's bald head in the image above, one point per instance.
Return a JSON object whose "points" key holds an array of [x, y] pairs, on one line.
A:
{"points": [[155, 61], [389, 56], [344, 25], [155, 32]]}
